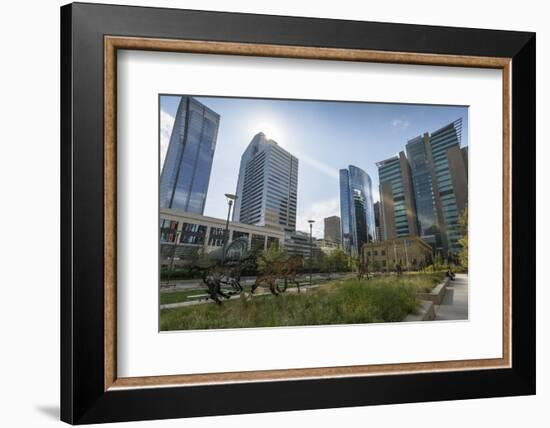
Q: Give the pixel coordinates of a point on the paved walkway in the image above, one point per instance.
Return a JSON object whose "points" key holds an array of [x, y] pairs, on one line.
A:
{"points": [[455, 304], [195, 284]]}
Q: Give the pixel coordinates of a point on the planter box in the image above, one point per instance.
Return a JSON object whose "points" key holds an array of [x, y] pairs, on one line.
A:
{"points": [[426, 312], [437, 294]]}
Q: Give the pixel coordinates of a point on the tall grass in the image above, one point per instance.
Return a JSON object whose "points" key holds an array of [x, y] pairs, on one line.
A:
{"points": [[383, 299]]}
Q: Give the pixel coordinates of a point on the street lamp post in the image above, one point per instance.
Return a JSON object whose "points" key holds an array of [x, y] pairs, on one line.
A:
{"points": [[230, 198], [310, 249]]}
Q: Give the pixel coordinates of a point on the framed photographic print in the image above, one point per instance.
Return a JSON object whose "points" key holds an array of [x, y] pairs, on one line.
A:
{"points": [[265, 213]]}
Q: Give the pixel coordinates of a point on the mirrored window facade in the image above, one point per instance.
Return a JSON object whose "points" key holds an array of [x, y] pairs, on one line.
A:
{"points": [[426, 214], [186, 171], [356, 209]]}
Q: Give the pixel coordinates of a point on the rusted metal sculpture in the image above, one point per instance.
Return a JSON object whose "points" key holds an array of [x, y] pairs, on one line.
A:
{"points": [[291, 270], [279, 275], [363, 267], [224, 267]]}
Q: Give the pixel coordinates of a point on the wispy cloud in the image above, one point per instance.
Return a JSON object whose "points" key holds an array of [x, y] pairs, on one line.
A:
{"points": [[318, 165], [317, 211], [166, 125], [399, 123]]}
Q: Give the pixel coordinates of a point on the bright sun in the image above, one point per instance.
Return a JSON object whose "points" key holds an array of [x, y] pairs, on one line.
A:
{"points": [[271, 129]]}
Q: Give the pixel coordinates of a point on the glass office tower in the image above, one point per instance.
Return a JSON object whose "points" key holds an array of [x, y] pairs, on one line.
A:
{"points": [[356, 209], [267, 186], [397, 199], [186, 171], [426, 214], [444, 143]]}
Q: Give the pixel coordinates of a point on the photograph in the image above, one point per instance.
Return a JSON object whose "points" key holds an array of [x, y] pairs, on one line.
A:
{"points": [[264, 212], [291, 212]]}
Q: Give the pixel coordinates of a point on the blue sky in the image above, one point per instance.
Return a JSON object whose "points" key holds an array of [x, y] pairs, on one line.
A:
{"points": [[325, 136]]}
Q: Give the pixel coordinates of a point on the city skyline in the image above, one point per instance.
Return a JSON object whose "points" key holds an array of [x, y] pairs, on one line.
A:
{"points": [[309, 130]]}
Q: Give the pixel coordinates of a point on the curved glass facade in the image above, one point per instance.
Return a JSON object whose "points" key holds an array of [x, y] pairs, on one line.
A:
{"points": [[356, 209]]}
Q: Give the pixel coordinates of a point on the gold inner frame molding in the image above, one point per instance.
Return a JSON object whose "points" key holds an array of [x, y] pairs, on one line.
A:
{"points": [[113, 43]]}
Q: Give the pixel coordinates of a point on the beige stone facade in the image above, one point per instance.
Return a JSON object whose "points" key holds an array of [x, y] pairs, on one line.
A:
{"points": [[411, 253]]}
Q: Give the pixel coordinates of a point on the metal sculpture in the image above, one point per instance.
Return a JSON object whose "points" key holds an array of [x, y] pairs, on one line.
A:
{"points": [[224, 267], [279, 275], [363, 267]]}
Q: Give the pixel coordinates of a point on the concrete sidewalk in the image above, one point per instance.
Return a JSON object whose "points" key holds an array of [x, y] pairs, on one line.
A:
{"points": [[455, 303], [195, 284]]}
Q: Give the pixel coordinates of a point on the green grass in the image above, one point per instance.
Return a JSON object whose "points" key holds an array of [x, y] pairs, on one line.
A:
{"points": [[178, 296], [168, 297], [422, 281], [382, 299]]}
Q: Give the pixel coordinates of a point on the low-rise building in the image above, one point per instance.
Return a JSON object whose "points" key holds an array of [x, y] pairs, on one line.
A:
{"points": [[327, 246], [183, 233], [298, 244], [411, 253]]}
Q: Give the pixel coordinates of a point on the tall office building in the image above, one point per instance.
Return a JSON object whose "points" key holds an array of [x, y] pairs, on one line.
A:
{"points": [[451, 181], [396, 197], [378, 224], [418, 150], [424, 193], [332, 229], [356, 209], [186, 171], [267, 185]]}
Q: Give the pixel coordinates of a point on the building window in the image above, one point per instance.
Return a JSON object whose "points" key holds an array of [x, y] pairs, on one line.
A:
{"points": [[257, 243], [383, 252], [193, 234], [168, 230], [216, 237], [272, 242], [375, 252], [237, 235]]}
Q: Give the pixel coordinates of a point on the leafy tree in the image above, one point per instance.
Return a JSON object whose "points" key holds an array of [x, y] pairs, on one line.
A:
{"points": [[272, 255], [438, 263], [337, 261]]}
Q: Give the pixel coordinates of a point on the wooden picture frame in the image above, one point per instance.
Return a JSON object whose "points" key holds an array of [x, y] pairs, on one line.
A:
{"points": [[91, 390]]}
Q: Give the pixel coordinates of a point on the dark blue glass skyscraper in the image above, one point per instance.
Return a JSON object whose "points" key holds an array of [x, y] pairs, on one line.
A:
{"points": [[186, 171], [356, 209], [417, 153]]}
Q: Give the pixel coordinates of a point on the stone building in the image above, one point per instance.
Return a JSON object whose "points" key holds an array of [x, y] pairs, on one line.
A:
{"points": [[411, 253]]}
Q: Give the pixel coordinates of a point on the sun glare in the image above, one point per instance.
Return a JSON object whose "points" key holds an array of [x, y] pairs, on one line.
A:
{"points": [[271, 129]]}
